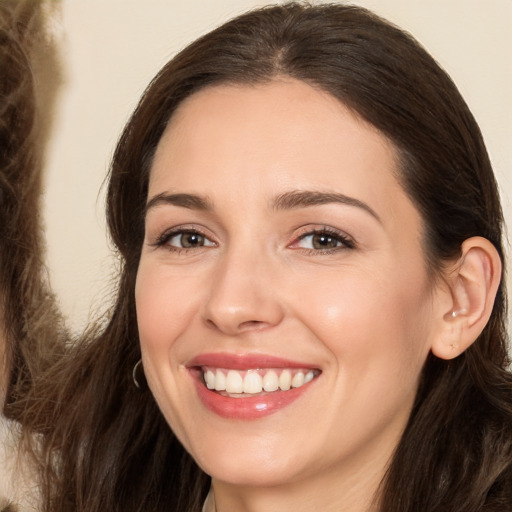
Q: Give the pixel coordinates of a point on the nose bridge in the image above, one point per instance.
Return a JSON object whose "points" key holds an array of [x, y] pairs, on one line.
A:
{"points": [[242, 297]]}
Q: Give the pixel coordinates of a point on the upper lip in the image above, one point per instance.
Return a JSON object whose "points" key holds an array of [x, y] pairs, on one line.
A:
{"points": [[244, 361]]}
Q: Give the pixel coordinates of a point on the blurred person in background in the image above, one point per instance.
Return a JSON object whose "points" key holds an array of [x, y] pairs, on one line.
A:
{"points": [[31, 331]]}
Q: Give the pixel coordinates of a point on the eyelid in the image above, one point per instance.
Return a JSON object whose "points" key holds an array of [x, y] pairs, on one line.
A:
{"points": [[162, 239], [346, 240]]}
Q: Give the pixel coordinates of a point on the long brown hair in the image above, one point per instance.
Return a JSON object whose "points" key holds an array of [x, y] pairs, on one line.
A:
{"points": [[114, 450], [31, 323]]}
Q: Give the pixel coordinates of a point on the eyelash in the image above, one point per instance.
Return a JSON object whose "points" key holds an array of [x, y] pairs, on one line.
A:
{"points": [[345, 241], [164, 238]]}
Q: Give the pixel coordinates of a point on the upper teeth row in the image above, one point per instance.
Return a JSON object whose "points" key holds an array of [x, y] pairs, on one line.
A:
{"points": [[252, 382]]}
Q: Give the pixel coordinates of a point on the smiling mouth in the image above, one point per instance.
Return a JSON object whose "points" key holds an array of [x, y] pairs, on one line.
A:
{"points": [[241, 383]]}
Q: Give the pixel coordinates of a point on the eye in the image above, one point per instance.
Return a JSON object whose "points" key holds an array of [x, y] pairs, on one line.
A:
{"points": [[324, 240], [189, 240], [184, 239]]}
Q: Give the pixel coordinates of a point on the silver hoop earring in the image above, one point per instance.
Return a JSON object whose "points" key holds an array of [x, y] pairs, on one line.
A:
{"points": [[138, 365]]}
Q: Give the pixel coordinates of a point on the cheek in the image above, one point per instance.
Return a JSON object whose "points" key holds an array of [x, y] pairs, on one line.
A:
{"points": [[163, 312], [377, 322], [164, 304]]}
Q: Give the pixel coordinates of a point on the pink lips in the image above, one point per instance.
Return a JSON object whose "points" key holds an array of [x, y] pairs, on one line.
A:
{"points": [[250, 407]]}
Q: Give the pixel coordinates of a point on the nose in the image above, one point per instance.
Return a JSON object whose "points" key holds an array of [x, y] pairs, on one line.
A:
{"points": [[244, 295]]}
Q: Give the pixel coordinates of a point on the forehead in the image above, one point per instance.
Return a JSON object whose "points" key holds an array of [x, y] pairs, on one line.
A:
{"points": [[271, 138]]}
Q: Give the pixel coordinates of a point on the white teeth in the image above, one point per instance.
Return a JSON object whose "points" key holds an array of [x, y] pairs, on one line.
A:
{"points": [[234, 382], [271, 381], [252, 383], [220, 381], [209, 378], [256, 381], [285, 380], [298, 380]]}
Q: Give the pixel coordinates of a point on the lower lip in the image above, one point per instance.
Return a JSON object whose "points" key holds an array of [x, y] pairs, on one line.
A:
{"points": [[250, 408]]}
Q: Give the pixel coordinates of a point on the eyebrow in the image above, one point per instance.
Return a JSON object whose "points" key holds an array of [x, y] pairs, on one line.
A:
{"points": [[190, 201], [287, 201], [306, 198]]}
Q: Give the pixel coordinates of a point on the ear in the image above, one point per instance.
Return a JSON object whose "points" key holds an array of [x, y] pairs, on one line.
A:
{"points": [[473, 282]]}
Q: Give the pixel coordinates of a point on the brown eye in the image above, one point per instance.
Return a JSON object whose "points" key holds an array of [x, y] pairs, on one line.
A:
{"points": [[324, 241], [191, 240], [183, 239]]}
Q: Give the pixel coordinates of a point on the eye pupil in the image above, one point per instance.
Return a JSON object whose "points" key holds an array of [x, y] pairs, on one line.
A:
{"points": [[189, 240], [323, 241]]}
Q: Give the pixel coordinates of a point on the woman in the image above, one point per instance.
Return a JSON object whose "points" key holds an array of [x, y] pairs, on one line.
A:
{"points": [[30, 334], [310, 237]]}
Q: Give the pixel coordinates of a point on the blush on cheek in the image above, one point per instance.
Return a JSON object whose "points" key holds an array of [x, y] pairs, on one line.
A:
{"points": [[149, 297]]}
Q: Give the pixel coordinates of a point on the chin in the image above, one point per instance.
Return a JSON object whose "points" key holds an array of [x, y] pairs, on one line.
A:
{"points": [[247, 474], [259, 465]]}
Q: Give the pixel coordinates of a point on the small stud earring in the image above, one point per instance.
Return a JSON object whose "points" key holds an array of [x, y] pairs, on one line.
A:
{"points": [[462, 311]]}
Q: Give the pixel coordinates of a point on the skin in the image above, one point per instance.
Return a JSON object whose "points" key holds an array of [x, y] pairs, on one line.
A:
{"points": [[364, 313]]}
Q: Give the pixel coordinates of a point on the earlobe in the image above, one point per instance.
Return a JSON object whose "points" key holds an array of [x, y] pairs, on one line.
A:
{"points": [[473, 282]]}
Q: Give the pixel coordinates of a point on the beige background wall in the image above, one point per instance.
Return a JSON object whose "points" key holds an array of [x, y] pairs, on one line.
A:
{"points": [[112, 48]]}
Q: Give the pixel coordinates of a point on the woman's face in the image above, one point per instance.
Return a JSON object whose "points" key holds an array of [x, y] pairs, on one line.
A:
{"points": [[283, 302]]}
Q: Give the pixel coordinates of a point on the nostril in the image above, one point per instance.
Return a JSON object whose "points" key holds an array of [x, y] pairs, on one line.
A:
{"points": [[244, 326], [210, 323], [241, 312], [251, 324]]}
